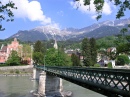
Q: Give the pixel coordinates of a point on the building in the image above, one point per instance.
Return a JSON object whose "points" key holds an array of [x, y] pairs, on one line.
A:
{"points": [[76, 52], [14, 46], [5, 51], [55, 44], [3, 54]]}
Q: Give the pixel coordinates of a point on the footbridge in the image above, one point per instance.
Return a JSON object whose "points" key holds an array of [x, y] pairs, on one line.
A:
{"points": [[109, 82]]}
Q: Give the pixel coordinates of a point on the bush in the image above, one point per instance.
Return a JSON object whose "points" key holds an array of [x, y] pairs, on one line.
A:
{"points": [[96, 65], [109, 65], [17, 72], [11, 71], [1, 65], [122, 59]]}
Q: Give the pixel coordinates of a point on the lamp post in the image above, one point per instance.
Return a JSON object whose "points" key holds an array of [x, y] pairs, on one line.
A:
{"points": [[44, 62], [31, 54]]}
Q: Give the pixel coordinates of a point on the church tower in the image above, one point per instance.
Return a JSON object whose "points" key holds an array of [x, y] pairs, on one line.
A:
{"points": [[55, 44]]}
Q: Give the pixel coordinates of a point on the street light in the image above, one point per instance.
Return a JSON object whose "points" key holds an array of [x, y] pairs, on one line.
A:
{"points": [[44, 62], [31, 54]]}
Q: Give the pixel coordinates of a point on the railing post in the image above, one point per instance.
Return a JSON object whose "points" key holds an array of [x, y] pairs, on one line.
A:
{"points": [[129, 82], [105, 79]]}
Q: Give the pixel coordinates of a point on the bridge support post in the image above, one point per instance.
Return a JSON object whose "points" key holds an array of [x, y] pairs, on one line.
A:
{"points": [[42, 83], [49, 85], [36, 73], [53, 84]]}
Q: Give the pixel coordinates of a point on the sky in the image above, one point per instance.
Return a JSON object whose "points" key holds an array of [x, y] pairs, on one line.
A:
{"points": [[57, 13]]}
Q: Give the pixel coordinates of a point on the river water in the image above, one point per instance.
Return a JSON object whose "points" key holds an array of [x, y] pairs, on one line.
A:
{"points": [[23, 86]]}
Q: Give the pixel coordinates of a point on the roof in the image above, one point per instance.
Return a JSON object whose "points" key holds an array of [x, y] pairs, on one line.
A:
{"points": [[71, 52]]}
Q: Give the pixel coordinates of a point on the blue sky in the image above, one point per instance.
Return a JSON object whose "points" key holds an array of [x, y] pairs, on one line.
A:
{"points": [[57, 13]]}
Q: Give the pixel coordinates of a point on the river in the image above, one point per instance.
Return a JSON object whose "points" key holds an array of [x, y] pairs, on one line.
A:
{"points": [[22, 86]]}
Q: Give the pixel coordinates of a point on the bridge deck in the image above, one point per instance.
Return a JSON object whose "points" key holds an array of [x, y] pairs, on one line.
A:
{"points": [[109, 82]]}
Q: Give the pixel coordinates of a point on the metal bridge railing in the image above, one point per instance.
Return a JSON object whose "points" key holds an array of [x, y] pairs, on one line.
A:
{"points": [[113, 80]]}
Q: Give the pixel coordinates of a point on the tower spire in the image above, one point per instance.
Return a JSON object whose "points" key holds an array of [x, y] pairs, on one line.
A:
{"points": [[55, 44]]}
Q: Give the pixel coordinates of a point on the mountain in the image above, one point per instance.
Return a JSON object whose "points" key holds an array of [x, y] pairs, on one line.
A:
{"points": [[97, 30], [39, 33]]}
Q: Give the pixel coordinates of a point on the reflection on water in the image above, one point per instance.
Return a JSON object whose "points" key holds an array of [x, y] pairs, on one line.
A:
{"points": [[23, 86]]}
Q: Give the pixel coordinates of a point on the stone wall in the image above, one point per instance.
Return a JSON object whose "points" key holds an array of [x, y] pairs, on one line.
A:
{"points": [[16, 67], [16, 70]]}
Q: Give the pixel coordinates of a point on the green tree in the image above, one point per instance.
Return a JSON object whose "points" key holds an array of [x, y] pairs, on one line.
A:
{"points": [[122, 44], [93, 50], [26, 53], [122, 4], [106, 42], [57, 58], [38, 54], [86, 52], [38, 58], [122, 60], [39, 47], [123, 31], [6, 10], [123, 49], [75, 60], [13, 59]]}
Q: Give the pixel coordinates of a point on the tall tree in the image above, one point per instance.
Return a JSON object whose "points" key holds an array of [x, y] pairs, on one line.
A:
{"points": [[38, 54], [75, 60], [38, 58], [6, 10], [122, 43], [93, 50], [26, 53], [86, 52], [39, 47], [123, 31]]}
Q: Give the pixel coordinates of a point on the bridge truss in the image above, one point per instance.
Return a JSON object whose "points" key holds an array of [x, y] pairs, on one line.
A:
{"points": [[109, 82]]}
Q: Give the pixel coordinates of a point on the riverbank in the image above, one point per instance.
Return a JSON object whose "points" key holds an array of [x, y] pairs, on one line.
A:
{"points": [[16, 70]]}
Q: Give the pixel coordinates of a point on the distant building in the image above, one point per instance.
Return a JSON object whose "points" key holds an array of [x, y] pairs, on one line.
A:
{"points": [[55, 45], [104, 59], [3, 54], [76, 52], [14, 46], [5, 51]]}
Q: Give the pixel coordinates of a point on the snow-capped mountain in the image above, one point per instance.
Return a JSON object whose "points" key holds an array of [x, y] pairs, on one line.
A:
{"points": [[96, 30]]}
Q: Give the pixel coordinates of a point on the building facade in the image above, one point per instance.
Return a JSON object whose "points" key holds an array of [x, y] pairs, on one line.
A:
{"points": [[3, 54], [5, 51]]}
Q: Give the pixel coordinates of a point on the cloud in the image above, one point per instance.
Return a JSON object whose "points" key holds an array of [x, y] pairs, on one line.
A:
{"points": [[94, 17], [30, 10], [107, 9]]}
